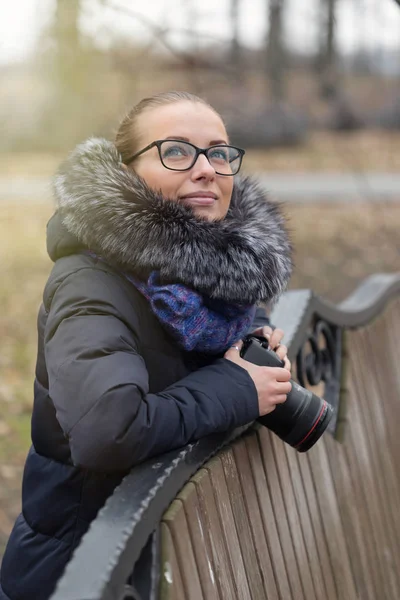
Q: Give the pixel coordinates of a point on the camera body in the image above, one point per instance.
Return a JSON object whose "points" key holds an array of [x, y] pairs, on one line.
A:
{"points": [[303, 417]]}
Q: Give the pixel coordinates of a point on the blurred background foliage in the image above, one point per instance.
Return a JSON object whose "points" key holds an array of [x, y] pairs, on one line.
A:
{"points": [[74, 85], [314, 105]]}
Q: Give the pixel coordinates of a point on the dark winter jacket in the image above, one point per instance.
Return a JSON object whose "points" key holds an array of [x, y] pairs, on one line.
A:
{"points": [[112, 388]]}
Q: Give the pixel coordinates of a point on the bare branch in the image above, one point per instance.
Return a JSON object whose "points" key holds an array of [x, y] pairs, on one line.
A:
{"points": [[158, 32], [161, 33]]}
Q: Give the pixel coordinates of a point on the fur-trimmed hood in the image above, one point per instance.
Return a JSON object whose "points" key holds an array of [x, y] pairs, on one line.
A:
{"points": [[244, 258]]}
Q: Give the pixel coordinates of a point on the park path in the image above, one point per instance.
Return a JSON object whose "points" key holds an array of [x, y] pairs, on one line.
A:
{"points": [[293, 187]]}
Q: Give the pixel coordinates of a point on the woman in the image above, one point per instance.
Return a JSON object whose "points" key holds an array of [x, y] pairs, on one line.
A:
{"points": [[160, 260]]}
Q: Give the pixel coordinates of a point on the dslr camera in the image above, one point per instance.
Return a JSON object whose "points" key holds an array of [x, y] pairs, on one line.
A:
{"points": [[303, 417]]}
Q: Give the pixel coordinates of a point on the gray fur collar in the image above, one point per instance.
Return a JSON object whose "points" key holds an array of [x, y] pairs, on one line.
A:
{"points": [[244, 258]]}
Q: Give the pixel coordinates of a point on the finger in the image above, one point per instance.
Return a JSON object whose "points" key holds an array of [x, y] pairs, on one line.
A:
{"points": [[276, 337], [281, 351], [267, 331], [288, 364], [280, 398], [276, 373], [282, 375], [283, 387], [263, 331], [273, 372]]}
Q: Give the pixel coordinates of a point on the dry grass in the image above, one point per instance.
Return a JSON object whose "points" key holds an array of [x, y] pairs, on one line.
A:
{"points": [[336, 247], [374, 151]]}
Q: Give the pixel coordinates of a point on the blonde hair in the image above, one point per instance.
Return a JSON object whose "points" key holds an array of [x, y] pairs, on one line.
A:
{"points": [[126, 137]]}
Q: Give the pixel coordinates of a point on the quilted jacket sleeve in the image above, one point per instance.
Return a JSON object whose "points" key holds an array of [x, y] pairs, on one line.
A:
{"points": [[99, 383]]}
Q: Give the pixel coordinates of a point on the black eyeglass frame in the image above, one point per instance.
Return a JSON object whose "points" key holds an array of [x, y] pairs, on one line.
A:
{"points": [[198, 150]]}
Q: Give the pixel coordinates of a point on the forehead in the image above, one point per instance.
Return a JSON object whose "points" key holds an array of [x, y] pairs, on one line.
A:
{"points": [[192, 120]]}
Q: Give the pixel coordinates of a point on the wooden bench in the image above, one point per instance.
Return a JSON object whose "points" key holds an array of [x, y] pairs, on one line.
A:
{"points": [[243, 516]]}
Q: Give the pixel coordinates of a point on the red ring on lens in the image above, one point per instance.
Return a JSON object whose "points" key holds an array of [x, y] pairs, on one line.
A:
{"points": [[314, 426]]}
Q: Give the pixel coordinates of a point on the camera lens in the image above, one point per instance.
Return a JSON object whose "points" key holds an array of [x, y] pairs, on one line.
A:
{"points": [[301, 420], [303, 417], [321, 421]]}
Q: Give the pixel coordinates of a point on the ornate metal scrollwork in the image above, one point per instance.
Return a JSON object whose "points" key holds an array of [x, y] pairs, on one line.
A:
{"points": [[319, 360]]}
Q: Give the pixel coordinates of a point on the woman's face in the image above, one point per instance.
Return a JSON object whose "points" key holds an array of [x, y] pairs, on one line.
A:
{"points": [[207, 193]]}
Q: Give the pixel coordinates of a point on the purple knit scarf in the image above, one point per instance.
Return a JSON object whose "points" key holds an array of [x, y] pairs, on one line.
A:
{"points": [[196, 322]]}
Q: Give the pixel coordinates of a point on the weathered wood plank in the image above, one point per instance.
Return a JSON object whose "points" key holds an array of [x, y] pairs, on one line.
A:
{"points": [[223, 503], [212, 527], [294, 518], [334, 533], [383, 461], [363, 562], [369, 482], [356, 472], [242, 520], [381, 470], [262, 544], [200, 542], [262, 521], [316, 565], [318, 527], [171, 586], [280, 515], [384, 338], [175, 519]]}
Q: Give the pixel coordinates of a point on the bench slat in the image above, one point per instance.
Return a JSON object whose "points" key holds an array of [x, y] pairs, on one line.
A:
{"points": [[212, 525], [332, 523], [200, 542], [223, 502], [242, 516], [175, 520], [171, 586], [315, 562]]}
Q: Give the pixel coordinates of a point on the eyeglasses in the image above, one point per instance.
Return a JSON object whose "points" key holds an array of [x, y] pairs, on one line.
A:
{"points": [[177, 155]]}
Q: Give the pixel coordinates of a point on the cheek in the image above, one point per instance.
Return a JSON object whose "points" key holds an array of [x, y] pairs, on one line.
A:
{"points": [[226, 187], [160, 179], [169, 185]]}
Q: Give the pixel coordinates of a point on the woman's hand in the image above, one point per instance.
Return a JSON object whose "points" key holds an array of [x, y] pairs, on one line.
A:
{"points": [[272, 383], [274, 337]]}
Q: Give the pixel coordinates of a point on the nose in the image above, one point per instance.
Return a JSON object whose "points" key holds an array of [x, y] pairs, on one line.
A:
{"points": [[202, 169]]}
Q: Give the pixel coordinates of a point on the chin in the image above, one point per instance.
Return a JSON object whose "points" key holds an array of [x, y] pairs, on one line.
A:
{"points": [[208, 213]]}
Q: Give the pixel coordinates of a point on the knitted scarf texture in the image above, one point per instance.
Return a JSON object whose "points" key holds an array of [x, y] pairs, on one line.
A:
{"points": [[197, 322]]}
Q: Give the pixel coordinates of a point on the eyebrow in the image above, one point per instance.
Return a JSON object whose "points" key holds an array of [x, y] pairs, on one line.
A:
{"points": [[185, 139]]}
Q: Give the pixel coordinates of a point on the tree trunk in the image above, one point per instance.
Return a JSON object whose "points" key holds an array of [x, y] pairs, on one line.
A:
{"points": [[67, 38], [235, 45], [275, 51], [328, 55]]}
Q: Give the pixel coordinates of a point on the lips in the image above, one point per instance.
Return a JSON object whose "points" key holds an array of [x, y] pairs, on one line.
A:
{"points": [[200, 198]]}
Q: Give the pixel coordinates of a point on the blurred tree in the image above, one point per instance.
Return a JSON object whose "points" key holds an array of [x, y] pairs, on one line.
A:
{"points": [[235, 51], [192, 40], [275, 52], [327, 63], [67, 51], [345, 114], [269, 123], [74, 67], [361, 59]]}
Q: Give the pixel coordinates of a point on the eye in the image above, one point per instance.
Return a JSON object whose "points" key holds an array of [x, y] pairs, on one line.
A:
{"points": [[220, 154], [175, 151]]}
